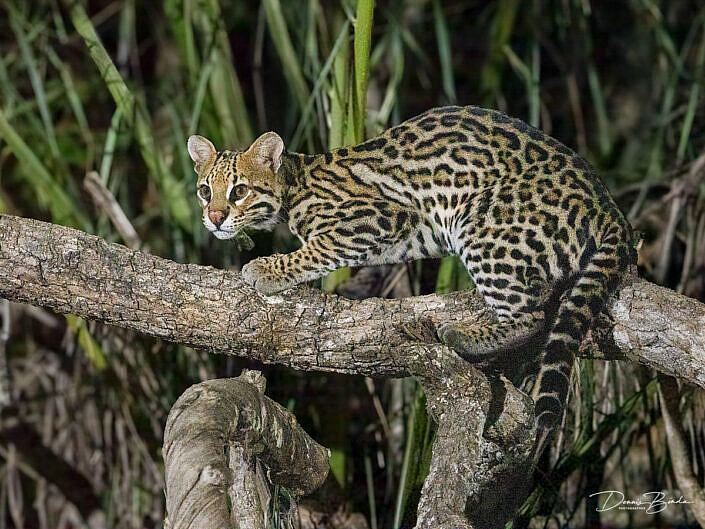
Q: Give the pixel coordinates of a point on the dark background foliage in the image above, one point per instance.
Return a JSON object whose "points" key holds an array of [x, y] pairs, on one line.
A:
{"points": [[620, 82]]}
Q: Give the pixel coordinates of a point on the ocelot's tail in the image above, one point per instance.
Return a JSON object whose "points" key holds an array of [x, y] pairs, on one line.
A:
{"points": [[578, 307]]}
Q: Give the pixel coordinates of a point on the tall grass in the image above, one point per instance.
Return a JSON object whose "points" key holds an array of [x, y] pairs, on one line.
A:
{"points": [[175, 201], [101, 90]]}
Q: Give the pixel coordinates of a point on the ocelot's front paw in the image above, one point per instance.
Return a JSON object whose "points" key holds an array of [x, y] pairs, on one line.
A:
{"points": [[260, 274]]}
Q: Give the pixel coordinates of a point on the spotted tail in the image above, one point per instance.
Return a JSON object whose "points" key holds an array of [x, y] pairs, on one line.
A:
{"points": [[578, 307]]}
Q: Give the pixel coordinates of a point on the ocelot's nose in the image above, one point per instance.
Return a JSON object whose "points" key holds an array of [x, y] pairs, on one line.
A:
{"points": [[217, 216]]}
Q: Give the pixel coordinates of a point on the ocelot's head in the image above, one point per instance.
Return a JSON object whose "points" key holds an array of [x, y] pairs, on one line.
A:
{"points": [[238, 190]]}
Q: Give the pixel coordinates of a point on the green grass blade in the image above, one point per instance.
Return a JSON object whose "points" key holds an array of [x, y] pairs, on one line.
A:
{"points": [[330, 282], [444, 52], [7, 89], [363, 37], [109, 149], [534, 87], [311, 59], [14, 105], [322, 76], [93, 351], [126, 35], [369, 480], [396, 51], [604, 135], [656, 150], [219, 81], [338, 93], [530, 77], [500, 34], [417, 457], [226, 91], [694, 97], [282, 42], [188, 41], [186, 19], [35, 77], [72, 95], [341, 125], [50, 194], [180, 15], [446, 279], [199, 98], [452, 275], [462, 278], [122, 96], [58, 22], [175, 202]]}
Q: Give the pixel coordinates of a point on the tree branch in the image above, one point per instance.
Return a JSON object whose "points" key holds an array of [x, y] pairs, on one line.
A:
{"points": [[73, 272], [233, 413], [481, 464]]}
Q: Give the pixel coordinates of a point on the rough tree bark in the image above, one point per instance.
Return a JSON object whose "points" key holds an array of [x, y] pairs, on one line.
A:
{"points": [[233, 413], [73, 272], [70, 271], [481, 458]]}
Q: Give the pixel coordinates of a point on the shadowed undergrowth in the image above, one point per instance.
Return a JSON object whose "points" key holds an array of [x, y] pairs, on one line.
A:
{"points": [[117, 87]]}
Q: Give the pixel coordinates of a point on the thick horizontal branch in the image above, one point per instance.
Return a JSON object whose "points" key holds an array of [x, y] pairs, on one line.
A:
{"points": [[72, 272]]}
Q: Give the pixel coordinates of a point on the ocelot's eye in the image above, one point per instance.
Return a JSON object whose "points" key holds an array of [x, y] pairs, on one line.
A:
{"points": [[205, 192], [239, 192]]}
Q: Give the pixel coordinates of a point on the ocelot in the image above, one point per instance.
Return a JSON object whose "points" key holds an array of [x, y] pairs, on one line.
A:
{"points": [[539, 234]]}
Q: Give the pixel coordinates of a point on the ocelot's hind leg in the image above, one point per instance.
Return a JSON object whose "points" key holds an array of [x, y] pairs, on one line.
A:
{"points": [[514, 291], [479, 343]]}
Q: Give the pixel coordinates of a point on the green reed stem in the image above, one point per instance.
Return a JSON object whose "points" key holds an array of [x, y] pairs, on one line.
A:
{"points": [[363, 37]]}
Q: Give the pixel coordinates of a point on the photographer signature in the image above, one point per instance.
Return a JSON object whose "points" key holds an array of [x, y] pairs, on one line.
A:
{"points": [[652, 502]]}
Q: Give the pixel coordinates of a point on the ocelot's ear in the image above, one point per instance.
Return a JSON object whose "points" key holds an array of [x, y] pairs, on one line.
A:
{"points": [[267, 151], [201, 151]]}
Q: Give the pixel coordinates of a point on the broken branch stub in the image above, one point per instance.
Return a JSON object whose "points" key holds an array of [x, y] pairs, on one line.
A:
{"points": [[232, 418]]}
